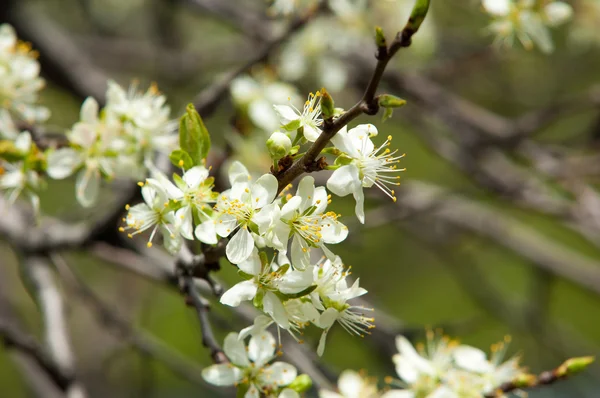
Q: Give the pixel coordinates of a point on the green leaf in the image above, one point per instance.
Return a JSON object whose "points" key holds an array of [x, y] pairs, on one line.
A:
{"points": [[193, 135], [181, 158], [258, 299], [327, 107], [244, 275], [301, 383], [387, 114]]}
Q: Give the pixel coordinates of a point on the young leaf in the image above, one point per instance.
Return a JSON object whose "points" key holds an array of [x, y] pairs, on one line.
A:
{"points": [[193, 135], [181, 158]]}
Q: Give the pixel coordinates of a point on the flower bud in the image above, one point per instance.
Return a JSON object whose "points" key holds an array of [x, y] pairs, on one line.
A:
{"points": [[380, 38], [327, 107], [574, 365], [301, 383], [279, 145]]}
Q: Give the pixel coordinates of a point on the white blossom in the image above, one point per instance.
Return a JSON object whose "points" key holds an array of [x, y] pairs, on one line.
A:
{"points": [[362, 165], [155, 215], [249, 367], [309, 120], [19, 78], [238, 207]]}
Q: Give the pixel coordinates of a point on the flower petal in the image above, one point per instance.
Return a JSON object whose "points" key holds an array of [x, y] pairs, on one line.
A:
{"points": [[206, 232], [261, 348], [278, 374], [235, 349], [87, 187], [243, 291], [240, 246], [350, 384], [62, 163], [222, 375], [272, 305], [238, 172], [264, 190], [344, 180]]}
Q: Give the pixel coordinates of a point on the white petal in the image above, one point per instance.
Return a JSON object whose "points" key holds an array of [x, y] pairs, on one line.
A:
{"points": [[311, 133], [296, 281], [222, 375], [471, 359], [288, 209], [329, 394], [333, 231], [261, 323], [286, 113], [344, 180], [497, 7], [320, 200], [238, 172], [206, 232], [398, 394], [235, 349], [62, 163], [252, 264], [359, 208], [288, 393], [89, 111], [252, 392], [272, 305], [240, 246], [87, 186], [243, 291], [322, 341], [361, 138], [225, 225], [195, 176], [300, 253], [306, 190], [264, 190], [350, 383], [328, 317], [558, 13], [261, 348], [262, 115], [184, 218], [279, 374]]}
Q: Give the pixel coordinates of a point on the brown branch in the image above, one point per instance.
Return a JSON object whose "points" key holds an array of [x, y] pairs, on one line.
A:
{"points": [[367, 105]]}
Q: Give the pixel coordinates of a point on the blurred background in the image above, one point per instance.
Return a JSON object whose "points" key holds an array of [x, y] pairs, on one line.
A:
{"points": [[496, 230]]}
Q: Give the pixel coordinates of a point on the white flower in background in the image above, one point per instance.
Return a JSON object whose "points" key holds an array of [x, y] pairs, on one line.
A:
{"points": [[249, 368], [303, 218], [351, 384], [193, 191], [17, 179], [493, 372], [423, 371], [238, 207], [363, 165], [19, 78], [309, 120], [8, 130], [527, 21], [89, 138], [255, 98], [154, 214], [331, 296], [265, 282]]}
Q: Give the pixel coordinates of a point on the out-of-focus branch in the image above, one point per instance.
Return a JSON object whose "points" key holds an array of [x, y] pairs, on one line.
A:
{"points": [[207, 100], [50, 302], [484, 221], [141, 341], [236, 14]]}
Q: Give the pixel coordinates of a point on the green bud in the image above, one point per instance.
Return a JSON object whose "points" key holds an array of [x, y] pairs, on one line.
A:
{"points": [[301, 383], [417, 16], [574, 365], [193, 135], [279, 145], [524, 380], [327, 108], [181, 158], [391, 101], [380, 37]]}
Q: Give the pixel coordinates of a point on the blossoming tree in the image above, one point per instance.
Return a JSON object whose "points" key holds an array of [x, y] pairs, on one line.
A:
{"points": [[277, 226]]}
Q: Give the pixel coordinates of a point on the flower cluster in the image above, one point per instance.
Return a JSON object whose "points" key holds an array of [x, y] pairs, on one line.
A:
{"points": [[19, 83], [250, 371], [442, 368], [20, 159], [526, 20], [120, 140]]}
